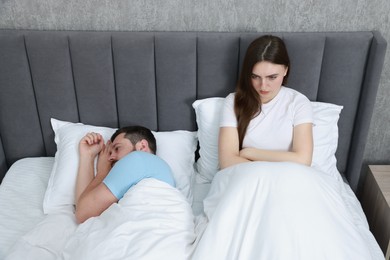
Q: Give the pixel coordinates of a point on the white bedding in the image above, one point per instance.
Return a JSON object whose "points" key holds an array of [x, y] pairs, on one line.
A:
{"points": [[21, 196], [22, 191], [286, 211], [152, 221]]}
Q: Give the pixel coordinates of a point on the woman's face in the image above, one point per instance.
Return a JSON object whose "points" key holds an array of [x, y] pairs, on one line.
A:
{"points": [[267, 79]]}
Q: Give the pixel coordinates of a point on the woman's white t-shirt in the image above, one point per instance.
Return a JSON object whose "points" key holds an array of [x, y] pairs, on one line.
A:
{"points": [[273, 128]]}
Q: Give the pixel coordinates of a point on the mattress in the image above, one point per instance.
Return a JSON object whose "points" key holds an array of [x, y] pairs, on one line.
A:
{"points": [[23, 188]]}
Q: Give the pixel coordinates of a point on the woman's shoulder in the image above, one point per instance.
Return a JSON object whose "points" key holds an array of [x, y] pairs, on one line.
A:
{"points": [[230, 98], [295, 95], [231, 95]]}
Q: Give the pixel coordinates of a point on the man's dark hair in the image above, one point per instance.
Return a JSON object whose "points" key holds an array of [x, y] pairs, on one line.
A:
{"points": [[136, 134]]}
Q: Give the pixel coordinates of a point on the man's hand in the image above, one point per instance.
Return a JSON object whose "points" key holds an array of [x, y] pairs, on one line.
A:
{"points": [[90, 145], [104, 164], [92, 196]]}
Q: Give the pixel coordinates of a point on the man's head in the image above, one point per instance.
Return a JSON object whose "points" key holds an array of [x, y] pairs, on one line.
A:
{"points": [[132, 138]]}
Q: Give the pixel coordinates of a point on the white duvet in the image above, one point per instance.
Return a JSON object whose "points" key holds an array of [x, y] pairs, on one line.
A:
{"points": [[269, 211], [152, 221], [254, 210]]}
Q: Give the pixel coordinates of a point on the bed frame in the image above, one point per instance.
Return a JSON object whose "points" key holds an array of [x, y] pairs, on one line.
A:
{"points": [[151, 78]]}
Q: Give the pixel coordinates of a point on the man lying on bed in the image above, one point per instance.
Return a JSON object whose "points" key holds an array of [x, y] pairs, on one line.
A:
{"points": [[122, 162], [152, 219]]}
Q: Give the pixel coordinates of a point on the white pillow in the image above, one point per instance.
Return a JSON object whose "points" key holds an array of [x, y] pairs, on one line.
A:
{"points": [[177, 148], [325, 135], [207, 113]]}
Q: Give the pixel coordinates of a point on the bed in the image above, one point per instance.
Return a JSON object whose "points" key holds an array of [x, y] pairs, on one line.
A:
{"points": [[57, 85]]}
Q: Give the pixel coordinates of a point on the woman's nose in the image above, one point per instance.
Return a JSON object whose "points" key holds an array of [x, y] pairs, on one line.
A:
{"points": [[260, 82]]}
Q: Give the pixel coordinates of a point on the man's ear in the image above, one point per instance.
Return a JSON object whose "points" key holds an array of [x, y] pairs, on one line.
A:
{"points": [[142, 145]]}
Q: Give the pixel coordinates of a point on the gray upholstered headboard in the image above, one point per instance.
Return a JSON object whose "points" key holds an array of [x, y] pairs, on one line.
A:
{"points": [[120, 78]]}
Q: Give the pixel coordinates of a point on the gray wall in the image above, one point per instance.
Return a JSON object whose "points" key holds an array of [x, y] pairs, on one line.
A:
{"points": [[220, 15]]}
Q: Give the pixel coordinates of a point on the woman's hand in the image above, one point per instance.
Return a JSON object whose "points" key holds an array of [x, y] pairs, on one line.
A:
{"points": [[247, 152], [302, 149]]}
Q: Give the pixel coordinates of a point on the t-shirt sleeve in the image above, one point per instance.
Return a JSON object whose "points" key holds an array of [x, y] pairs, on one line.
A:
{"points": [[135, 167], [228, 117], [126, 172], [303, 112]]}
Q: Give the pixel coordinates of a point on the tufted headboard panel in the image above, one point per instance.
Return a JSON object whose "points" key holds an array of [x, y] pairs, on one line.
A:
{"points": [[151, 78]]}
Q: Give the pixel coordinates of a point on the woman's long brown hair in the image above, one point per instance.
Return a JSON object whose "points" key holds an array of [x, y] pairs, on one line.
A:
{"points": [[247, 103]]}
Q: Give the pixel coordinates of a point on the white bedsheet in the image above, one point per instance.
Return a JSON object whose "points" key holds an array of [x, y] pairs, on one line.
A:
{"points": [[282, 211], [21, 196], [152, 221]]}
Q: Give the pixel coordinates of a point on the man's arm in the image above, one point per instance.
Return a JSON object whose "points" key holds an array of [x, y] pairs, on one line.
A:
{"points": [[92, 196], [96, 199]]}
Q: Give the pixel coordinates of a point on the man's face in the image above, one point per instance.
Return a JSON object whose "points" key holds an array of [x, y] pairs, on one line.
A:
{"points": [[120, 147]]}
